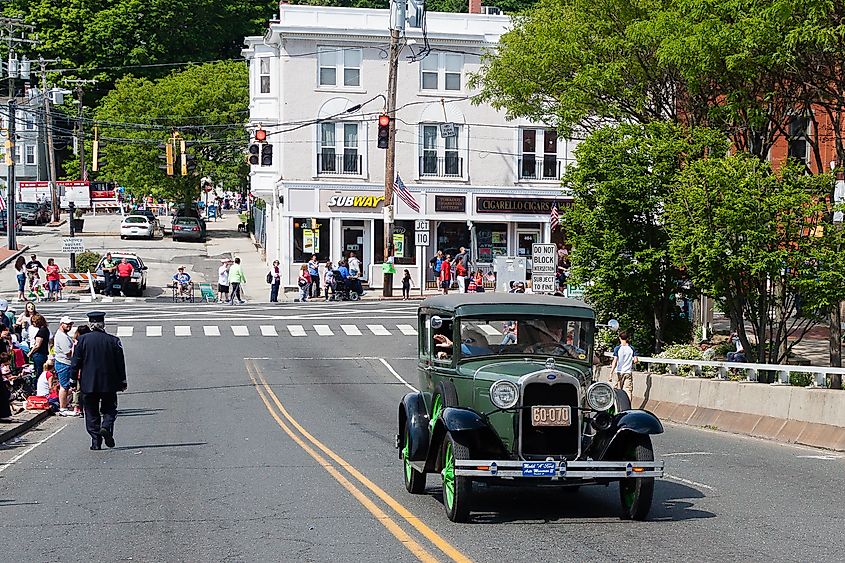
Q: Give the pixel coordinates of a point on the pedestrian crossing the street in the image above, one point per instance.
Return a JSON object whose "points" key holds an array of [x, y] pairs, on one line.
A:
{"points": [[267, 331]]}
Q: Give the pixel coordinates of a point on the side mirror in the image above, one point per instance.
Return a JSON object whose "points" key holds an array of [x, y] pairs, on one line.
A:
{"points": [[436, 322]]}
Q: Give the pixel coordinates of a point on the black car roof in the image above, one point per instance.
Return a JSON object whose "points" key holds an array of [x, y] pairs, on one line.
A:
{"points": [[467, 304]]}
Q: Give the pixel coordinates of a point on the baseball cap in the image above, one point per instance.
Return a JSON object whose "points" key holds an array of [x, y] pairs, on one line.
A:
{"points": [[66, 320]]}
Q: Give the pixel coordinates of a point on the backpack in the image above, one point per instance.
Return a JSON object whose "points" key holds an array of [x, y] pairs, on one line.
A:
{"points": [[269, 277]]}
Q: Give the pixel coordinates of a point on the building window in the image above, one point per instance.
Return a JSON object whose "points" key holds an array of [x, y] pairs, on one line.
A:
{"points": [[339, 67], [538, 157], [798, 147], [441, 71], [264, 74], [440, 156], [29, 152], [307, 242], [338, 150]]}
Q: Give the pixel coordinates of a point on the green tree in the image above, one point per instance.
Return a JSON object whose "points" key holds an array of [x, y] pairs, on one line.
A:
{"points": [[754, 238], [206, 104], [616, 224]]}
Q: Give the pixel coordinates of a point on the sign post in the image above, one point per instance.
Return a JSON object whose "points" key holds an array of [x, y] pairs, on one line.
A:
{"points": [[421, 241], [72, 245], [544, 258]]}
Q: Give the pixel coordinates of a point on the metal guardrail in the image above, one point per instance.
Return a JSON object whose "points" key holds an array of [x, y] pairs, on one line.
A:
{"points": [[751, 370]]}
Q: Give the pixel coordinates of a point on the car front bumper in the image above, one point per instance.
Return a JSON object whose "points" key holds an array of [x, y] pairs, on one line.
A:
{"points": [[558, 469]]}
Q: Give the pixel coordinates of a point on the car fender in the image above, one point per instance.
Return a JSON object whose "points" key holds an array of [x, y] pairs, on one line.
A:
{"points": [[468, 428], [627, 423], [414, 417]]}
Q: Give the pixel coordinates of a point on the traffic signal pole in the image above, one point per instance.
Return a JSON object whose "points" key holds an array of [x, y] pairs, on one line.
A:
{"points": [[11, 216], [390, 155], [51, 156]]}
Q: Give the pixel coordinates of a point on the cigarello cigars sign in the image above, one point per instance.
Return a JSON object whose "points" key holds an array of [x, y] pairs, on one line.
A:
{"points": [[534, 206], [366, 202]]}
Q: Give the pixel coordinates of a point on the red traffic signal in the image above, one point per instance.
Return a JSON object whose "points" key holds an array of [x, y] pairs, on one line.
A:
{"points": [[260, 135], [383, 131]]}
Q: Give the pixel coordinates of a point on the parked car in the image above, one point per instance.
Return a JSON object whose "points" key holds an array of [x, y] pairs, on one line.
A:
{"points": [[190, 211], [138, 282], [32, 213], [140, 226], [146, 213], [4, 218], [508, 397], [188, 228]]}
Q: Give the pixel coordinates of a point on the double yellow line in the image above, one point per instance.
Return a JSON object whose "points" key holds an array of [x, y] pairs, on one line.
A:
{"points": [[310, 445]]}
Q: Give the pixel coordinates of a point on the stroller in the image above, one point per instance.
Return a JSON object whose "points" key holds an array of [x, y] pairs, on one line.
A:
{"points": [[343, 289]]}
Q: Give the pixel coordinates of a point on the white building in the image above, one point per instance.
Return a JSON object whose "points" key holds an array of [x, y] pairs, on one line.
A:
{"points": [[317, 82]]}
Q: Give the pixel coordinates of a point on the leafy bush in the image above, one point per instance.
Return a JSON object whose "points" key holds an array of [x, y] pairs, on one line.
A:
{"points": [[800, 379], [682, 352], [87, 261]]}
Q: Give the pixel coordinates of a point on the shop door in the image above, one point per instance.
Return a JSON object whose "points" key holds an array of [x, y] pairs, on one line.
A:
{"points": [[525, 238], [353, 241]]}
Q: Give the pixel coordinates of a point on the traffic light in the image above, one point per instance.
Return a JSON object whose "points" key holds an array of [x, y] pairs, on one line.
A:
{"points": [[253, 154], [96, 164], [167, 156], [188, 161], [260, 135], [267, 155], [383, 131]]}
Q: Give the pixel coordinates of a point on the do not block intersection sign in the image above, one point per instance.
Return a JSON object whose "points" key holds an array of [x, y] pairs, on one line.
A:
{"points": [[543, 269]]}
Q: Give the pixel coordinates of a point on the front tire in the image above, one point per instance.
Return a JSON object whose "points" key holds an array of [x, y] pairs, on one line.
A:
{"points": [[414, 480], [457, 490], [636, 494]]}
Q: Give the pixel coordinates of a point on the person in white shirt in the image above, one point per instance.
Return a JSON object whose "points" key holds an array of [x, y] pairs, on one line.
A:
{"points": [[223, 280], [624, 358], [63, 349]]}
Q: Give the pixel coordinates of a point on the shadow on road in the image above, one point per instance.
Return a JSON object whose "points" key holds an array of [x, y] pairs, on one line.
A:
{"points": [[138, 412], [152, 446]]}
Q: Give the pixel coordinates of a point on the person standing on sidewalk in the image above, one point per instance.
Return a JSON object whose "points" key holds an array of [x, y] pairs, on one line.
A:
{"points": [[236, 279], [461, 264], [108, 274], [624, 358], [63, 351], [124, 274], [274, 278], [20, 268], [40, 344], [98, 359], [446, 274], [314, 272], [304, 283], [223, 281], [54, 284], [32, 268]]}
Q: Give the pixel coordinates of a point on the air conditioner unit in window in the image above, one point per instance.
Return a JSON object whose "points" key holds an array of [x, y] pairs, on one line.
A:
{"points": [[491, 10]]}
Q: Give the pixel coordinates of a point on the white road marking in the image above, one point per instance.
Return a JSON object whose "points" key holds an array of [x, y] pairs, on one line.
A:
{"points": [[108, 299], [182, 330], [487, 329], [268, 330], [240, 330], [822, 457], [296, 330], [153, 331], [688, 482], [85, 299], [337, 359], [351, 330], [684, 454], [211, 330], [18, 457], [125, 330], [397, 376], [323, 330], [130, 300], [378, 330], [407, 330]]}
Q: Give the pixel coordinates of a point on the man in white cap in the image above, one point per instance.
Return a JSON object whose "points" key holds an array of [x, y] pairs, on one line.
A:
{"points": [[223, 280], [62, 347]]}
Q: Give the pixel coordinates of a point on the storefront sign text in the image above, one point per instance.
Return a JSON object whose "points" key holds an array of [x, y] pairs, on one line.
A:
{"points": [[514, 205], [355, 201], [450, 203]]}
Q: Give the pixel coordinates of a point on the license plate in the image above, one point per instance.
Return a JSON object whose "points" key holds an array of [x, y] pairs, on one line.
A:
{"points": [[539, 468], [550, 416]]}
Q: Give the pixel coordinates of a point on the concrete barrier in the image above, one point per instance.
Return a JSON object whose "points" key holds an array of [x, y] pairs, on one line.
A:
{"points": [[803, 415]]}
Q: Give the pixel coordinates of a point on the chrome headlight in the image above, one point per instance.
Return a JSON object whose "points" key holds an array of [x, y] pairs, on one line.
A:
{"points": [[600, 396], [504, 394]]}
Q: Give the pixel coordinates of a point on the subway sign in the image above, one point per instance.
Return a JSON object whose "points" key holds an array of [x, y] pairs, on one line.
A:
{"points": [[367, 201]]}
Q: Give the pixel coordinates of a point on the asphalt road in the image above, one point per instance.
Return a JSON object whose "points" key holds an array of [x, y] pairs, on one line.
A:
{"points": [[280, 448]]}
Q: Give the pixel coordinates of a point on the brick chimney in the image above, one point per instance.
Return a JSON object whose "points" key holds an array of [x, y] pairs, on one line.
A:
{"points": [[474, 6]]}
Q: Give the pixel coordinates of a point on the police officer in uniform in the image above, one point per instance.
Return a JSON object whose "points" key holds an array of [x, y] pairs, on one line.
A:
{"points": [[99, 366]]}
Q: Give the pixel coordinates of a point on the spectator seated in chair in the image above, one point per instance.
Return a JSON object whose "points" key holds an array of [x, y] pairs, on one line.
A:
{"points": [[48, 385], [182, 283]]}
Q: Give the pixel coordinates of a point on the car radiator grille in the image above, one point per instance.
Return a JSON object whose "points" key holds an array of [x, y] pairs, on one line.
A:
{"points": [[539, 442]]}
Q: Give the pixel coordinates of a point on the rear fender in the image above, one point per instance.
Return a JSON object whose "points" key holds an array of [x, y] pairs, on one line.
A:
{"points": [[414, 417], [467, 428], [624, 425]]}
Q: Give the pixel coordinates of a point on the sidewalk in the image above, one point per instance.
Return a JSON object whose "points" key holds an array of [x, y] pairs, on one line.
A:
{"points": [[20, 423]]}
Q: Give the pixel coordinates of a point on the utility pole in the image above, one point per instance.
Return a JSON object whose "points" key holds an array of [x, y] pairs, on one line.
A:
{"points": [[14, 32], [51, 157], [10, 178], [397, 24], [80, 132]]}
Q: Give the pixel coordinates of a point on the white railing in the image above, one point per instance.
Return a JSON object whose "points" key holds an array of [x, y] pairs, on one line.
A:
{"points": [[751, 370]]}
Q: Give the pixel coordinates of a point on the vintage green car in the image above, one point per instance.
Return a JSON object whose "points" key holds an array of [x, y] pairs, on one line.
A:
{"points": [[507, 396]]}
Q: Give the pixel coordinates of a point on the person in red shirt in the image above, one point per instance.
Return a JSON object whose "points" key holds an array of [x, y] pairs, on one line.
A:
{"points": [[446, 274], [124, 274], [54, 285]]}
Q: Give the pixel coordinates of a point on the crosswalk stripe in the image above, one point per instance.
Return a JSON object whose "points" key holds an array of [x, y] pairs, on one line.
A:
{"points": [[268, 330], [378, 330], [85, 299], [296, 330], [323, 330], [351, 330], [240, 330], [211, 330], [108, 299], [130, 300], [125, 330], [154, 331], [407, 330], [182, 330]]}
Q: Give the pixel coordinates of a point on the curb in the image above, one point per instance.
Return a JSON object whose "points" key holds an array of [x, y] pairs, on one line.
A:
{"points": [[13, 257], [24, 426], [58, 224]]}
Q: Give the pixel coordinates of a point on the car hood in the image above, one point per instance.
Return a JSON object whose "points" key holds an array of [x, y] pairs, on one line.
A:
{"points": [[492, 370]]}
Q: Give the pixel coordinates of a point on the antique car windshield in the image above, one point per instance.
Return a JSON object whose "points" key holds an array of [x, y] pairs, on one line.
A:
{"points": [[535, 336]]}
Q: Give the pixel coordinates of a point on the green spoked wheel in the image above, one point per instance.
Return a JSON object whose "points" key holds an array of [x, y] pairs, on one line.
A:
{"points": [[414, 480], [636, 493], [457, 490], [444, 396]]}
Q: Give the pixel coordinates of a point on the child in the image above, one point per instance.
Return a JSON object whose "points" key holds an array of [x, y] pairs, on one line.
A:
{"points": [[446, 274], [48, 384], [406, 286], [329, 282]]}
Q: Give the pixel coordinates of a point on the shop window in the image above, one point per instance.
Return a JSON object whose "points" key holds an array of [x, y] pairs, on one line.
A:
{"points": [[404, 251], [451, 236], [308, 241], [492, 240]]}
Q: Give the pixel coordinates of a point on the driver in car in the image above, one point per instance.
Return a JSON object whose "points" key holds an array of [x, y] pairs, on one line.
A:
{"points": [[549, 340], [183, 283]]}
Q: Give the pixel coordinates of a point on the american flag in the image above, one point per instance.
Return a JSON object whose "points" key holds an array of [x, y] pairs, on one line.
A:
{"points": [[554, 217], [405, 195], [2, 203]]}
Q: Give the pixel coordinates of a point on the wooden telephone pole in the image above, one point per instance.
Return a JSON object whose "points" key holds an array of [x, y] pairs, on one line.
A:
{"points": [[397, 24]]}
